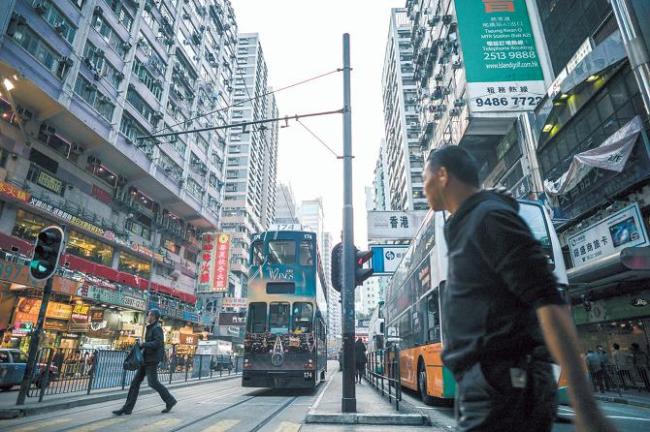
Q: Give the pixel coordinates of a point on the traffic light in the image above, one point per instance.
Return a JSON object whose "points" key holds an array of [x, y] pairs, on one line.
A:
{"points": [[361, 273], [48, 248], [336, 273]]}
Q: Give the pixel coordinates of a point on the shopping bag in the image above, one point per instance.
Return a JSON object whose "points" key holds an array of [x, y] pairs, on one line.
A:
{"points": [[135, 359]]}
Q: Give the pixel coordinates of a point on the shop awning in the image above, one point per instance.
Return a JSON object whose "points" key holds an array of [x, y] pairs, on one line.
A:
{"points": [[628, 265]]}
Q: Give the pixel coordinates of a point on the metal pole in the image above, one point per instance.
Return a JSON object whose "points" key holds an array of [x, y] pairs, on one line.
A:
{"points": [[348, 400], [635, 46], [33, 344]]}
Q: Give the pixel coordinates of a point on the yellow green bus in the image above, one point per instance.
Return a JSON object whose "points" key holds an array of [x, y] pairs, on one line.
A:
{"points": [[412, 310]]}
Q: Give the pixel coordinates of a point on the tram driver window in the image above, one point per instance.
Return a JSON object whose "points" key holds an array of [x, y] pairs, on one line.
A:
{"points": [[257, 318], [306, 254], [258, 253], [282, 252], [302, 317], [279, 318], [433, 318]]}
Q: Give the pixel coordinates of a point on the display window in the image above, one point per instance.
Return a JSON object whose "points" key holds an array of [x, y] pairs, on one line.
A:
{"points": [[28, 225], [134, 266], [87, 247]]}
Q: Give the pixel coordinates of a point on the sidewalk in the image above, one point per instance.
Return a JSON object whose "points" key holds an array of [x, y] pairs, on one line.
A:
{"points": [[372, 408], [628, 397], [9, 409]]}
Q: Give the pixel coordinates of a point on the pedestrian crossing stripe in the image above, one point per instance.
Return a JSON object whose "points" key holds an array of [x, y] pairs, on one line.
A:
{"points": [[162, 425], [288, 427], [40, 425], [221, 426], [98, 425]]}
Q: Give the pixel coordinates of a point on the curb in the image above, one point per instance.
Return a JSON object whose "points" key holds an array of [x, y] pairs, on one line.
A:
{"points": [[24, 411], [623, 401], [367, 419]]}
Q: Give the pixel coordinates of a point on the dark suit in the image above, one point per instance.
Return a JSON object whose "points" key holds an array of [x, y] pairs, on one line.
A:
{"points": [[154, 346]]}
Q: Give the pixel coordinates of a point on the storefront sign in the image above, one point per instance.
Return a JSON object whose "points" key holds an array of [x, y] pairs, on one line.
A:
{"points": [[138, 248], [49, 182], [188, 339], [234, 302], [117, 298], [617, 308], [54, 325], [214, 263], [503, 67], [394, 225], [10, 191], [67, 217], [101, 195], [28, 308], [621, 230], [232, 319], [96, 315]]}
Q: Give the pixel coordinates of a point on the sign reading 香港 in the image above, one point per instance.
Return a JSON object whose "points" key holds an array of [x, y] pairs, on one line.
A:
{"points": [[503, 67]]}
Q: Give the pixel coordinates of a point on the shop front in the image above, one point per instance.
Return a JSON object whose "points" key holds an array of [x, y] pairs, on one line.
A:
{"points": [[133, 265]]}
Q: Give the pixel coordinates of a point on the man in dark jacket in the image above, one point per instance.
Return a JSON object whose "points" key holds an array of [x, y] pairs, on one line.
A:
{"points": [[502, 310], [154, 350]]}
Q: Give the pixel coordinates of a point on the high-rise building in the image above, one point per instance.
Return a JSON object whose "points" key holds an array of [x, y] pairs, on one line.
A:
{"points": [[84, 85], [381, 188], [285, 206], [251, 159], [333, 297], [401, 123]]}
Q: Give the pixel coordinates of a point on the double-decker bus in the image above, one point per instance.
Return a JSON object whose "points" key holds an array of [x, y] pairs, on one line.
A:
{"points": [[412, 308], [286, 336]]}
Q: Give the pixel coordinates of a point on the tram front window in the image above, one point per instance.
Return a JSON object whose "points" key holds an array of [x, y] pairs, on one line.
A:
{"points": [[302, 318], [282, 252], [257, 318], [306, 255], [279, 318]]}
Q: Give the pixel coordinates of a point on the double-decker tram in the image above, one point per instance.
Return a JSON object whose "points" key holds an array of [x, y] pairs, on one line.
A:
{"points": [[286, 335], [412, 310]]}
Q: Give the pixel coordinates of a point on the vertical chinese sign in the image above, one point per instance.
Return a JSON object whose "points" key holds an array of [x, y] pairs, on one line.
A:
{"points": [[504, 71], [214, 263]]}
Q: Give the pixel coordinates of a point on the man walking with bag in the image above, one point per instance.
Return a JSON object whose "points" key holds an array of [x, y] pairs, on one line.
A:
{"points": [[503, 311], [154, 350]]}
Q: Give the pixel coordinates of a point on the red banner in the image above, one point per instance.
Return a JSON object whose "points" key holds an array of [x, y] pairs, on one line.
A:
{"points": [[13, 192], [214, 263]]}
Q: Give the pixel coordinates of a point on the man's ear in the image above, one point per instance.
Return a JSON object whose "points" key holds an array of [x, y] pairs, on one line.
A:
{"points": [[443, 176]]}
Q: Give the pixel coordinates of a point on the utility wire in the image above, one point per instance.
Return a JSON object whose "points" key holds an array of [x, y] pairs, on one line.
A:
{"points": [[318, 138], [249, 123], [240, 103]]}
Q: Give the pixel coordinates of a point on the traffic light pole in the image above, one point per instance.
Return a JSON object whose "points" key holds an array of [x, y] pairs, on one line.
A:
{"points": [[33, 344], [348, 400]]}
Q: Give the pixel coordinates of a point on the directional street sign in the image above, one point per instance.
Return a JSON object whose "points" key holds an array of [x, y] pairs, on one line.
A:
{"points": [[386, 258]]}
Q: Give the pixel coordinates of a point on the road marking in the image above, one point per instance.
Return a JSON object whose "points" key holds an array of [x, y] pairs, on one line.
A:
{"points": [[162, 425], [619, 417], [222, 426], [39, 425], [99, 425], [322, 393], [288, 427]]}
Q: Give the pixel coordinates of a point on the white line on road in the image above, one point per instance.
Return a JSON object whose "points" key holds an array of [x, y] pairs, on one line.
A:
{"points": [[322, 393], [221, 426]]}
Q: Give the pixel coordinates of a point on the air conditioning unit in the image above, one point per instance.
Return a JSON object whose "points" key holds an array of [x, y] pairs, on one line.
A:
{"points": [[446, 19], [437, 116], [454, 112], [98, 11], [457, 64], [459, 102], [39, 8]]}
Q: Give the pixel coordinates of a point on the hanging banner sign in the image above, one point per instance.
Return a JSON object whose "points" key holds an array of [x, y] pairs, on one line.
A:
{"points": [[67, 217], [621, 230], [214, 263], [503, 67], [13, 192]]}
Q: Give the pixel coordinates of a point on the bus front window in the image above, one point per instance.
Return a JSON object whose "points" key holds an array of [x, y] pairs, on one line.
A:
{"points": [[279, 318], [302, 318], [257, 318], [282, 252]]}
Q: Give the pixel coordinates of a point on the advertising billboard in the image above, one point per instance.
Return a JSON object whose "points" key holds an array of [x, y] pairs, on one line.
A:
{"points": [[503, 67], [214, 263]]}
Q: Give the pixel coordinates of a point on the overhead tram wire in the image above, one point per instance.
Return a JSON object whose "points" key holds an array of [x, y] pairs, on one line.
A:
{"points": [[240, 103], [312, 133]]}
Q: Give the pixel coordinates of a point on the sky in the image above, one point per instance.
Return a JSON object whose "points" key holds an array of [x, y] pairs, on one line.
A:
{"points": [[302, 39]]}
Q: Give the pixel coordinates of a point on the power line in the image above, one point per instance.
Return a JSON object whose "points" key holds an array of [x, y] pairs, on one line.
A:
{"points": [[318, 138], [250, 99], [295, 117]]}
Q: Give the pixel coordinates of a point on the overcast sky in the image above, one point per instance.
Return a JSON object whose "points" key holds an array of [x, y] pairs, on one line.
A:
{"points": [[302, 39]]}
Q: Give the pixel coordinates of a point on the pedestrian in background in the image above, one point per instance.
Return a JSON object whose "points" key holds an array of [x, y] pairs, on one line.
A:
{"points": [[641, 363], [503, 310], [621, 363], [154, 349], [595, 367], [605, 364], [360, 359]]}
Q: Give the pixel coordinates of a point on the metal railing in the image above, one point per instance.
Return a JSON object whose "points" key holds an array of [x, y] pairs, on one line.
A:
{"points": [[384, 374], [73, 370]]}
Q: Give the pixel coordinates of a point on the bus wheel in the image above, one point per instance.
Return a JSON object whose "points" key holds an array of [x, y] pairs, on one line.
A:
{"points": [[422, 386]]}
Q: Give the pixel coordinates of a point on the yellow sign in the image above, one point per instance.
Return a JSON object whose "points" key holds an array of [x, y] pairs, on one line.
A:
{"points": [[49, 182]]}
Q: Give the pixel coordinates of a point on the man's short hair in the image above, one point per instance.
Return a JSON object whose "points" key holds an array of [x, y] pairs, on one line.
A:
{"points": [[155, 312], [458, 162]]}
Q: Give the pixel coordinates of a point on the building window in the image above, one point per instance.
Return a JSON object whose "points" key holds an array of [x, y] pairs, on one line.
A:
{"points": [[154, 85], [140, 105], [140, 225], [109, 35], [194, 189], [87, 247], [133, 265], [123, 16], [28, 225], [56, 20], [89, 93], [131, 129], [33, 44], [95, 60]]}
